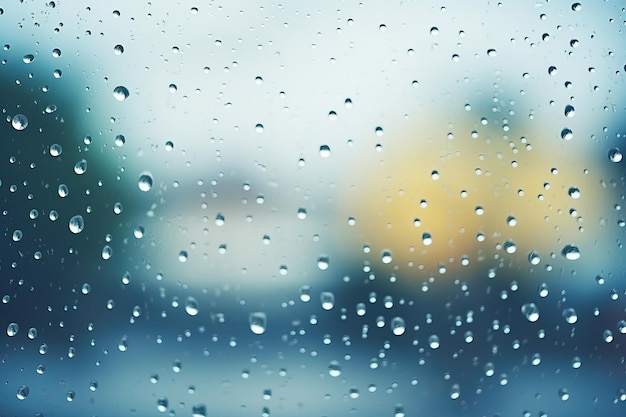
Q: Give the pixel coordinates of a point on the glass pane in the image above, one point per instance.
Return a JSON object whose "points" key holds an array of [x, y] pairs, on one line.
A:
{"points": [[312, 208]]}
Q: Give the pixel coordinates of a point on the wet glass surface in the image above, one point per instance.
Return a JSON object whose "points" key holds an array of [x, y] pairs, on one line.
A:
{"points": [[324, 209]]}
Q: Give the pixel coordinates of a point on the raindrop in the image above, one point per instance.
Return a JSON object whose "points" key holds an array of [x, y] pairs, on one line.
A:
{"points": [[386, 256], [576, 362], [511, 221], [531, 312], [56, 53], [145, 181], [398, 327], [334, 369], [455, 391], [80, 167], [574, 192], [533, 258], [324, 151], [569, 111], [563, 394], [123, 344], [543, 290], [169, 145], [22, 392], [302, 213], [107, 252], [323, 262], [19, 122], [93, 385], [12, 329], [427, 239], [328, 300], [571, 252], [28, 58], [258, 322], [305, 294], [139, 231], [56, 150], [162, 404], [191, 306], [120, 93], [576, 7], [17, 235], [433, 341], [183, 256], [63, 191], [120, 140], [434, 30], [76, 224], [615, 155], [510, 247], [570, 316], [118, 49], [567, 134], [607, 336]]}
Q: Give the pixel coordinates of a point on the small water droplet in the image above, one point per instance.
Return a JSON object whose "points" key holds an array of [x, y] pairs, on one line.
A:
{"points": [[533, 258], [324, 151], [328, 300], [567, 134], [28, 58], [323, 262], [398, 326], [427, 239], [118, 49], [386, 256], [569, 111], [433, 341], [563, 394], [12, 329], [183, 256], [120, 140], [334, 369], [510, 246], [17, 235], [107, 252], [574, 192], [162, 404], [120, 93], [76, 224]]}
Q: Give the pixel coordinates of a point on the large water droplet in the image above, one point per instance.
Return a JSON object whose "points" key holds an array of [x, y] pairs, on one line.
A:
{"points": [[258, 322], [569, 111], [328, 300], [17, 235], [76, 224], [191, 306], [56, 150], [615, 155], [433, 341], [22, 392], [570, 316], [398, 327], [107, 252], [386, 256], [12, 329], [571, 252], [121, 93], [145, 181], [80, 167], [19, 122], [531, 312], [334, 369], [162, 404]]}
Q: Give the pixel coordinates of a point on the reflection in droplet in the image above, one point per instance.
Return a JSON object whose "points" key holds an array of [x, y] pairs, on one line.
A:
{"points": [[56, 150], [615, 155], [80, 167]]}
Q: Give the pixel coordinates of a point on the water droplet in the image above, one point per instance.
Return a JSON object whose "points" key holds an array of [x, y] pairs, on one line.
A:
{"points": [[543, 290], [305, 294], [145, 181], [531, 312], [302, 214], [571, 252], [183, 256], [118, 49], [123, 343], [511, 221], [107, 252], [328, 300], [492, 52], [70, 396], [56, 53], [434, 30], [22, 392], [76, 224], [17, 235], [607, 335], [56, 150], [334, 369], [323, 262], [28, 58], [93, 385], [169, 145], [19, 122], [398, 327], [433, 341], [535, 359], [63, 190], [567, 134], [574, 192], [139, 231], [455, 391], [173, 88], [191, 306], [386, 256], [533, 258], [576, 7], [570, 316], [569, 111], [259, 128], [427, 239], [220, 219], [258, 322], [510, 247], [324, 151], [576, 362], [80, 167], [85, 289], [120, 140], [200, 411], [615, 155], [563, 394], [162, 404], [12, 329], [121, 93], [41, 369]]}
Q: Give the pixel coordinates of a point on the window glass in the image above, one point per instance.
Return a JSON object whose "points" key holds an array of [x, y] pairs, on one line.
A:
{"points": [[312, 208]]}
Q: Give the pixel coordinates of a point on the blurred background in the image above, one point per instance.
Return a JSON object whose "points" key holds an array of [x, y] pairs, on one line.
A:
{"points": [[314, 209]]}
